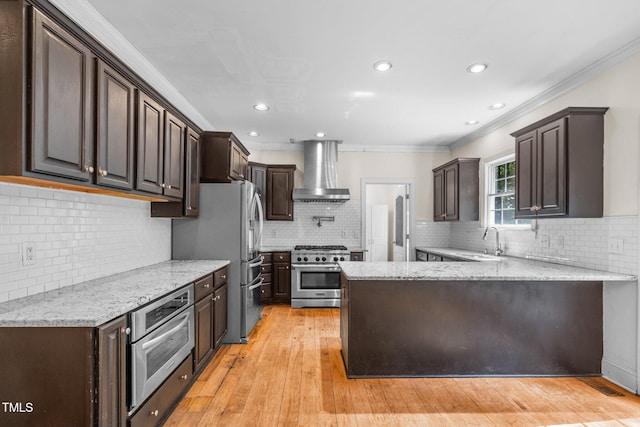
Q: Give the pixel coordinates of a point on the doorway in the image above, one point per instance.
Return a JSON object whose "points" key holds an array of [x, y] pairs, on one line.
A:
{"points": [[387, 219]]}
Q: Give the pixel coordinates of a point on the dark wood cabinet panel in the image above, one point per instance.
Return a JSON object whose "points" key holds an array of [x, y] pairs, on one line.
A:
{"points": [[114, 123], [61, 136], [280, 192], [559, 165], [175, 133], [223, 157], [220, 315], [150, 145], [204, 332], [282, 281], [456, 190], [112, 373], [192, 174]]}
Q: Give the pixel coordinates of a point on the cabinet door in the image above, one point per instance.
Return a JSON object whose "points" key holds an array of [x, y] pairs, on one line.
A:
{"points": [[204, 330], [112, 373], [61, 135], [279, 194], [150, 145], [174, 139], [438, 195], [526, 172], [257, 174], [551, 169], [192, 163], [281, 281], [115, 115], [239, 161], [220, 314], [451, 185]]}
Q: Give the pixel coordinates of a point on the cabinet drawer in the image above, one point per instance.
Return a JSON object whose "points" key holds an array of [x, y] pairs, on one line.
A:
{"points": [[220, 277], [203, 287], [157, 407], [281, 256], [266, 278], [265, 269], [266, 258], [265, 291]]}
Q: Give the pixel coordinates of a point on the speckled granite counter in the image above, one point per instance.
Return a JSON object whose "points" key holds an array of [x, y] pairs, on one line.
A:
{"points": [[276, 249], [507, 268], [97, 301]]}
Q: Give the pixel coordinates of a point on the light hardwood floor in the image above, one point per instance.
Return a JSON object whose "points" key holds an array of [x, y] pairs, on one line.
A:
{"points": [[291, 374]]}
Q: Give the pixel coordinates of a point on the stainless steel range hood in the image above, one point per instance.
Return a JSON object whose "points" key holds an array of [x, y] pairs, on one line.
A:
{"points": [[321, 173]]}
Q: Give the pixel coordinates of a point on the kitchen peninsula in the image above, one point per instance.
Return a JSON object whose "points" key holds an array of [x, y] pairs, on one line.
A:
{"points": [[507, 317]]}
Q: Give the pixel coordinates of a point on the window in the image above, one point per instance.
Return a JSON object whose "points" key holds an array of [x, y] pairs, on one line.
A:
{"points": [[501, 193]]}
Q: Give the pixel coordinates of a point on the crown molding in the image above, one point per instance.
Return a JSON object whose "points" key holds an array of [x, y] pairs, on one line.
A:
{"points": [[297, 146], [87, 17], [575, 80]]}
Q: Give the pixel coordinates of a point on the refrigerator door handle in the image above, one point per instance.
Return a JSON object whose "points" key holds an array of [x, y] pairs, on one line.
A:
{"points": [[257, 285], [258, 237]]}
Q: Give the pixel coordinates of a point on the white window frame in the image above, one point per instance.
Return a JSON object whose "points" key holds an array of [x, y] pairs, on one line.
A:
{"points": [[489, 192]]}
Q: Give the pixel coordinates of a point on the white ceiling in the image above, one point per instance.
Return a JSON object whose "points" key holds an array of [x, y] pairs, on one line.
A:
{"points": [[312, 62]]}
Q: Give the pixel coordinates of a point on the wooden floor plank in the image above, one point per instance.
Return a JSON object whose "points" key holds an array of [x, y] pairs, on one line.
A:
{"points": [[291, 373]]}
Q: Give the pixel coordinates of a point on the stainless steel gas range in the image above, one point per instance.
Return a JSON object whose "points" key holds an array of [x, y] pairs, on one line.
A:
{"points": [[315, 275]]}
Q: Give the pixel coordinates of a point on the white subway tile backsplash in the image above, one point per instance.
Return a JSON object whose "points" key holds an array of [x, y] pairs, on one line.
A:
{"points": [[76, 237]]}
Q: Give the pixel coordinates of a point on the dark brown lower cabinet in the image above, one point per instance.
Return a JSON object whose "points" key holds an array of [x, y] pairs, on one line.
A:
{"points": [[210, 315], [281, 276], [64, 375], [219, 314], [204, 333]]}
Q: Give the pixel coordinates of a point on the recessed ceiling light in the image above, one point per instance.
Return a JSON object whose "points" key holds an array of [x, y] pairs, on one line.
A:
{"points": [[497, 106], [320, 134], [261, 107], [254, 133], [471, 122], [476, 68], [384, 65]]}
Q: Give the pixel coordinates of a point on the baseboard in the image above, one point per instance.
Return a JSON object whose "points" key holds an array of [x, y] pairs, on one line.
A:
{"points": [[624, 377]]}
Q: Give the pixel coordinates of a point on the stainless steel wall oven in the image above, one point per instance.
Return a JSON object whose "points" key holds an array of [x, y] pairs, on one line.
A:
{"points": [[162, 336]]}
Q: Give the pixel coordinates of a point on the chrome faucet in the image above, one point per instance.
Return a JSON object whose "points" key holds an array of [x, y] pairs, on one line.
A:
{"points": [[498, 249]]}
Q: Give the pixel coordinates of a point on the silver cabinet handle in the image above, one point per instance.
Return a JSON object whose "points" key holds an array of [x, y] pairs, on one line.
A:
{"points": [[155, 413], [206, 285], [88, 168], [183, 377], [102, 172], [163, 185], [169, 186], [224, 276]]}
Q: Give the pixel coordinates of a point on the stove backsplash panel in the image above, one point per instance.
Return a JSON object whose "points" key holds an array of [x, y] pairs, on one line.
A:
{"points": [[304, 230]]}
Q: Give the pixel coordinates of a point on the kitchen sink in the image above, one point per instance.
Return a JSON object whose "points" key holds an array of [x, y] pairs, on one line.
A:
{"points": [[466, 256]]}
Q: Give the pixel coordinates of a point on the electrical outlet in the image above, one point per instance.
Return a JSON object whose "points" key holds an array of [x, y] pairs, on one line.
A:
{"points": [[28, 254], [543, 241], [273, 233], [344, 233], [616, 246]]}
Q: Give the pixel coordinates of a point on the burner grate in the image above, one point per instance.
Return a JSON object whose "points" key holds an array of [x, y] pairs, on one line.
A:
{"points": [[320, 248]]}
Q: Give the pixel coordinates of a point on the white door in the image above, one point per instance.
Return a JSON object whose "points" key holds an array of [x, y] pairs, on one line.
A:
{"points": [[377, 232]]}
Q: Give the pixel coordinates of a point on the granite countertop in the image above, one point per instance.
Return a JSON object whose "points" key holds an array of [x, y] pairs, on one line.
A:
{"points": [[276, 248], [95, 302], [504, 268]]}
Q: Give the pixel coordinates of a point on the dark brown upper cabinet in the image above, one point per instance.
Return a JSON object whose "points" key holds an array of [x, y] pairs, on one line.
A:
{"points": [[223, 158], [114, 123], [150, 170], [71, 117], [560, 165], [192, 174], [456, 190], [280, 192], [61, 125], [175, 133]]}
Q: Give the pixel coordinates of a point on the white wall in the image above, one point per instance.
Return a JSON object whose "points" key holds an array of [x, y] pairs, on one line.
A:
{"points": [[76, 236]]}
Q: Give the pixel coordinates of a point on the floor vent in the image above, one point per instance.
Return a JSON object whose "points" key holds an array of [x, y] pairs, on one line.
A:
{"points": [[602, 388]]}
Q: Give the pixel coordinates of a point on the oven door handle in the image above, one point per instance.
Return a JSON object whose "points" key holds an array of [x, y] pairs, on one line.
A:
{"points": [[257, 263], [315, 267], [162, 337]]}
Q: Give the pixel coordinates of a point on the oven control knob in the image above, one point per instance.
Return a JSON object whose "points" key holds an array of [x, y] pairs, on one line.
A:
{"points": [[341, 258], [299, 259], [335, 258], [306, 259], [324, 258], [317, 258]]}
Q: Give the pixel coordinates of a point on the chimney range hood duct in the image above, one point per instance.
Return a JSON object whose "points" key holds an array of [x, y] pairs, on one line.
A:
{"points": [[320, 173]]}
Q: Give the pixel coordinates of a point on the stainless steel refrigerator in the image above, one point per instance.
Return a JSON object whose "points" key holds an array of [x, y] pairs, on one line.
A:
{"points": [[229, 227]]}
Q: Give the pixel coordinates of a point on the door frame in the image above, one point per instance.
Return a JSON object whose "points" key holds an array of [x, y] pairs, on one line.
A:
{"points": [[411, 209]]}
